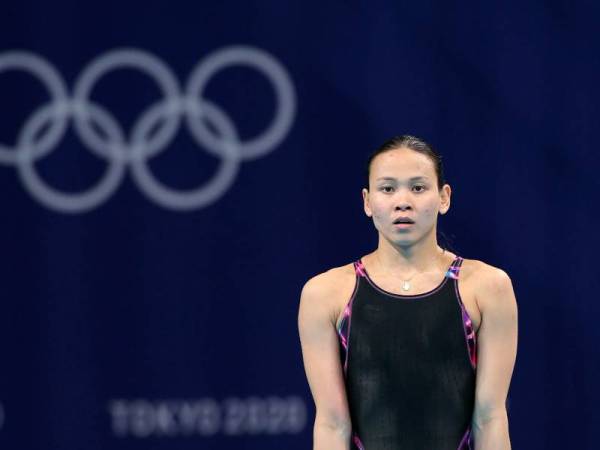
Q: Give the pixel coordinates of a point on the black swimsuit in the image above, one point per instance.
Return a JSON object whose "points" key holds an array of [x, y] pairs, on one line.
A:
{"points": [[409, 365]]}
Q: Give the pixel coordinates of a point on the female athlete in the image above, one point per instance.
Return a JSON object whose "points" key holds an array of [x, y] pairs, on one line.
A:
{"points": [[410, 347]]}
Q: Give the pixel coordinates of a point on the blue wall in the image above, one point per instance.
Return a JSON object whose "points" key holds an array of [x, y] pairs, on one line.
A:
{"points": [[193, 165]]}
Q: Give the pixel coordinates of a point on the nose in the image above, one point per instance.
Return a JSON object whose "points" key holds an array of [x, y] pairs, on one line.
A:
{"points": [[402, 205], [401, 201]]}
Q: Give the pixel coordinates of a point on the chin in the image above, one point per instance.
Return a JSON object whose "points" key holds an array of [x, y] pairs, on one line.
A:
{"points": [[403, 242]]}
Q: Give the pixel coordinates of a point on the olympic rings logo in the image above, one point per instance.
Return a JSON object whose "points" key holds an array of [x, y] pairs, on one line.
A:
{"points": [[151, 132]]}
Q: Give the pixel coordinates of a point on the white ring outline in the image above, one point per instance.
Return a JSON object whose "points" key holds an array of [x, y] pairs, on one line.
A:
{"points": [[71, 202], [55, 86], [272, 69], [125, 58], [206, 193]]}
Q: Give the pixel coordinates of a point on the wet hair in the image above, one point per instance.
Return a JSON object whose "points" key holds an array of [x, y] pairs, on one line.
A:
{"points": [[418, 145], [413, 143]]}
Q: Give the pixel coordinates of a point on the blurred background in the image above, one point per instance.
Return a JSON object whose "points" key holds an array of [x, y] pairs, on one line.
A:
{"points": [[173, 172]]}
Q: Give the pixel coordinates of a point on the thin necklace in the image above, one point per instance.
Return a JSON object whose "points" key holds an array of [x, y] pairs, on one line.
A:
{"points": [[406, 283]]}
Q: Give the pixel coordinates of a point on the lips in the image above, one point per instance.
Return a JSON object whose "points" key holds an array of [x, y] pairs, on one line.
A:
{"points": [[403, 219]]}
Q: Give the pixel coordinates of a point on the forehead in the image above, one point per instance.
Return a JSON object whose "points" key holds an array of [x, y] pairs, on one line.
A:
{"points": [[402, 163]]}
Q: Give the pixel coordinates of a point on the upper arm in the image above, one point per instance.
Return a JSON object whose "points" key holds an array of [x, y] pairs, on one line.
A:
{"points": [[496, 343], [320, 352]]}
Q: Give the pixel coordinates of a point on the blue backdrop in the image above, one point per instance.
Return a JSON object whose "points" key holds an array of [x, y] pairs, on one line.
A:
{"points": [[173, 173]]}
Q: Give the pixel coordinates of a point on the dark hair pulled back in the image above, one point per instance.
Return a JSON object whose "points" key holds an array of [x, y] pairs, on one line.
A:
{"points": [[412, 143]]}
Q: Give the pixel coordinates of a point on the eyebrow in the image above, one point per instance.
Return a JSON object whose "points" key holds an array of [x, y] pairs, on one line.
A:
{"points": [[394, 179]]}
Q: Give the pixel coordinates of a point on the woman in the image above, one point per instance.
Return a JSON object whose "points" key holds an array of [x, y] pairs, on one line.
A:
{"points": [[411, 346]]}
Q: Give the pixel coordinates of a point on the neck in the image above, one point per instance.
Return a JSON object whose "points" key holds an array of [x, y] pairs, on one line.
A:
{"points": [[421, 256]]}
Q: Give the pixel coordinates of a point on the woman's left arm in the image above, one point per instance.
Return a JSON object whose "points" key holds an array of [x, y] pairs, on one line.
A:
{"points": [[496, 354]]}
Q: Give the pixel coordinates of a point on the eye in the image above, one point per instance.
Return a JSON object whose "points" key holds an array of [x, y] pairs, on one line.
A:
{"points": [[383, 188], [419, 186]]}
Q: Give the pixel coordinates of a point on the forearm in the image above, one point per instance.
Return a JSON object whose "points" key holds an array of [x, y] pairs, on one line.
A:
{"points": [[331, 437], [492, 433]]}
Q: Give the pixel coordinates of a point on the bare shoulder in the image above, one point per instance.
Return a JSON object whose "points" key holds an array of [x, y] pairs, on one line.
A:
{"points": [[328, 291], [487, 282]]}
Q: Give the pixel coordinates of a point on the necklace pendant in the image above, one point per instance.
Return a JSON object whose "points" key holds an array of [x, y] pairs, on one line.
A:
{"points": [[406, 286]]}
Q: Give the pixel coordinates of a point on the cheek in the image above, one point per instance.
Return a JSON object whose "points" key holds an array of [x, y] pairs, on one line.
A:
{"points": [[378, 213], [431, 211], [377, 219]]}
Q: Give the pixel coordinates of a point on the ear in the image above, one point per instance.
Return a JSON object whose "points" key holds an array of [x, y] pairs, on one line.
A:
{"points": [[367, 207], [445, 195]]}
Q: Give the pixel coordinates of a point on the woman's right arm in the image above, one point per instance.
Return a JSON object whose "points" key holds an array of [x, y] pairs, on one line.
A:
{"points": [[320, 352]]}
